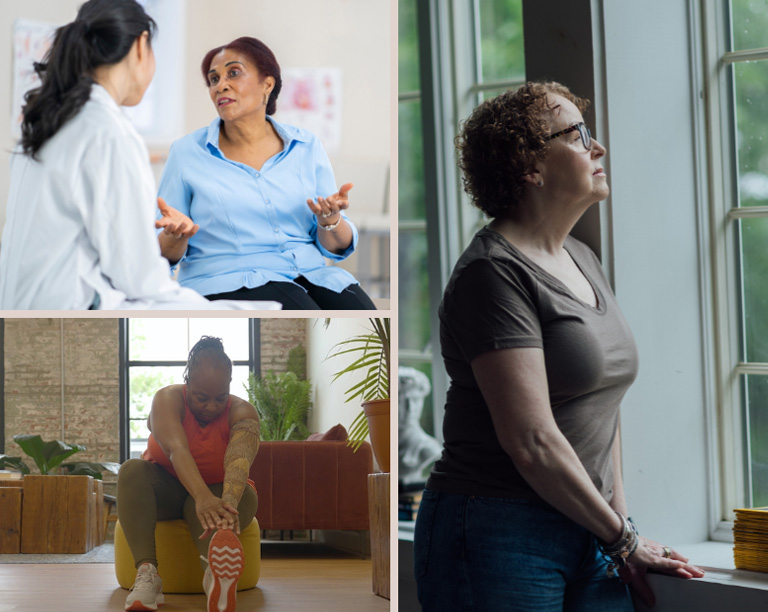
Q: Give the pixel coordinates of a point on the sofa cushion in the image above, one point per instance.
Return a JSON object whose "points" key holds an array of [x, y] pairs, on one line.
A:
{"points": [[312, 485], [337, 432]]}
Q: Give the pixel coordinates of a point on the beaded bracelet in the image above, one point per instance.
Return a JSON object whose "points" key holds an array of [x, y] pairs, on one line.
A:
{"points": [[617, 553]]}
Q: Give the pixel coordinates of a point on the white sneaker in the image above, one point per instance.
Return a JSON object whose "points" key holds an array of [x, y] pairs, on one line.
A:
{"points": [[147, 592], [225, 566]]}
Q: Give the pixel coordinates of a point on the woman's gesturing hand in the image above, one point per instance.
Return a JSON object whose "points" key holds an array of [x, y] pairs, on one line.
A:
{"points": [[327, 209], [175, 224], [651, 555], [214, 513]]}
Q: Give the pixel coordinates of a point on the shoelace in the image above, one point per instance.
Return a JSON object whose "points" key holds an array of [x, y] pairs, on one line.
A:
{"points": [[143, 579]]}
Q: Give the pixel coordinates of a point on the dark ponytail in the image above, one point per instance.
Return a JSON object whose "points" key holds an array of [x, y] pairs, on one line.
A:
{"points": [[102, 34], [208, 347]]}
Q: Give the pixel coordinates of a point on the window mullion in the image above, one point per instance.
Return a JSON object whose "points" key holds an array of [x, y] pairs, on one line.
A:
{"points": [[727, 458]]}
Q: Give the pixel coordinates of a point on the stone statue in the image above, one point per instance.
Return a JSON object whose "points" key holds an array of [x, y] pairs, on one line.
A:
{"points": [[417, 450]]}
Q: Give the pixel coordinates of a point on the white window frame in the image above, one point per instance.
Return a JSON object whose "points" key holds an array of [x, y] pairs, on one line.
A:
{"points": [[730, 463]]}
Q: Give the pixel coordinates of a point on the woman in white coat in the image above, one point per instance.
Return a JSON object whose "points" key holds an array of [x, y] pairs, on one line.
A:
{"points": [[79, 229]]}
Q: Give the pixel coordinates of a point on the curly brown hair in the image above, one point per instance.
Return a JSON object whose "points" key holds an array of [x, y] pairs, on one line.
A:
{"points": [[503, 139]]}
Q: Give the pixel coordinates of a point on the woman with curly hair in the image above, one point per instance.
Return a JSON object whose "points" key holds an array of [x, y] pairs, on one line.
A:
{"points": [[526, 510]]}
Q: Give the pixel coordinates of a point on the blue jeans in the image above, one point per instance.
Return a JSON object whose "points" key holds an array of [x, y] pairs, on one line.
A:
{"points": [[489, 554]]}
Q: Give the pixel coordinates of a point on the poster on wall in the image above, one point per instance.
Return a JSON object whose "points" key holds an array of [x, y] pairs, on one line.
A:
{"points": [[311, 99], [31, 41], [159, 118]]}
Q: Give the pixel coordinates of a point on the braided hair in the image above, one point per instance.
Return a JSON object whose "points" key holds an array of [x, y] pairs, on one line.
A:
{"points": [[207, 348]]}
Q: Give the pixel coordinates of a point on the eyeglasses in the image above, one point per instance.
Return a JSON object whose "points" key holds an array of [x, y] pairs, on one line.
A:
{"points": [[586, 137]]}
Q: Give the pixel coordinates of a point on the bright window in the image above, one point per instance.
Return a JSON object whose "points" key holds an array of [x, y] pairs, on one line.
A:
{"points": [[738, 61], [155, 355]]}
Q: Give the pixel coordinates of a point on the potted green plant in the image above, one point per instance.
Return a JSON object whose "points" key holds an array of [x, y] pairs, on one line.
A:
{"points": [[283, 403], [371, 356], [60, 513], [49, 456]]}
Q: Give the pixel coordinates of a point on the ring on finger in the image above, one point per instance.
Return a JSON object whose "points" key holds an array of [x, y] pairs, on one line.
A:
{"points": [[667, 552], [325, 215]]}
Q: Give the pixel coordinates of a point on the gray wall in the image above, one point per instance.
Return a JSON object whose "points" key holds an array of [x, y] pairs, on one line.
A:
{"points": [[656, 263]]}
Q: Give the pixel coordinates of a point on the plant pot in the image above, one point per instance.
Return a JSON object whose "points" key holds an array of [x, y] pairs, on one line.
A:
{"points": [[377, 413], [61, 514]]}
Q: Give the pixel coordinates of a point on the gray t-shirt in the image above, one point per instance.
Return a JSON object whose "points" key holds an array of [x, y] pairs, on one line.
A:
{"points": [[497, 298]]}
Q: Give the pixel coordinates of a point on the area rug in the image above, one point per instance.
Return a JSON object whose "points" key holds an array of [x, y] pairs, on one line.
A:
{"points": [[101, 554]]}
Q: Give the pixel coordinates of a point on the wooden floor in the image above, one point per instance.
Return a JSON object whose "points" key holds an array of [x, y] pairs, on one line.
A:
{"points": [[293, 577]]}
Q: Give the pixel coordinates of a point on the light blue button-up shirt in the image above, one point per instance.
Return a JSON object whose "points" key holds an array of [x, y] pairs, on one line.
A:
{"points": [[255, 225]]}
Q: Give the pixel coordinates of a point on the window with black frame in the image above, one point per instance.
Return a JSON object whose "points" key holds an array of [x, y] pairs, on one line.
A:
{"points": [[154, 354], [494, 33]]}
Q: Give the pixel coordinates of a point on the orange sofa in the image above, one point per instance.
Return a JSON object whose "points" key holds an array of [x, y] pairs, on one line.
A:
{"points": [[312, 485]]}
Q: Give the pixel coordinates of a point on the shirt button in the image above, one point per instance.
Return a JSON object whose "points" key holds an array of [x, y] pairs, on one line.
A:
{"points": [[275, 230]]}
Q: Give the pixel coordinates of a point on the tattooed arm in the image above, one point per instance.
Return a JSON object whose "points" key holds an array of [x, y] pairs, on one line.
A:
{"points": [[241, 450]]}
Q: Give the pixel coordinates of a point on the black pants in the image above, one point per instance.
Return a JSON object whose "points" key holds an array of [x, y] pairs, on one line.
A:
{"points": [[294, 298]]}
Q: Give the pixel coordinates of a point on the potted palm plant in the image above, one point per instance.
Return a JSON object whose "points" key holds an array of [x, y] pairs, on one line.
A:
{"points": [[283, 403], [370, 354]]}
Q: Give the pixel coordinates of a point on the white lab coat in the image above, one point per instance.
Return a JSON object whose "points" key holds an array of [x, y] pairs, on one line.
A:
{"points": [[80, 222]]}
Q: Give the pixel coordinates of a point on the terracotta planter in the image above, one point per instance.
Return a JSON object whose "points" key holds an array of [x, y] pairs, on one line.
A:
{"points": [[377, 412]]}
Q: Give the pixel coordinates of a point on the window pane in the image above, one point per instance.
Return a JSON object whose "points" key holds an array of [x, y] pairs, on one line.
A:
{"points": [[157, 339], [410, 165], [414, 291], [757, 422], [501, 40], [407, 47], [749, 24], [754, 238], [161, 339], [233, 333], [145, 381], [751, 87]]}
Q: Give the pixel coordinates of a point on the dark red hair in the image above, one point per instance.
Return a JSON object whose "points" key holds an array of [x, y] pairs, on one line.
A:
{"points": [[259, 55]]}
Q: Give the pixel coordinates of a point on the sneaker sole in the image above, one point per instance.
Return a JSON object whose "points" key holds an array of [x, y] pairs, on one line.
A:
{"points": [[226, 560], [137, 606]]}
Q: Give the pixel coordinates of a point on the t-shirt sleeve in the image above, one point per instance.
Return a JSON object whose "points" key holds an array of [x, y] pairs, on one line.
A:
{"points": [[491, 307]]}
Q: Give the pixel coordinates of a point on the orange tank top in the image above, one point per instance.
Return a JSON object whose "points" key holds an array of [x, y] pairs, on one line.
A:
{"points": [[206, 444]]}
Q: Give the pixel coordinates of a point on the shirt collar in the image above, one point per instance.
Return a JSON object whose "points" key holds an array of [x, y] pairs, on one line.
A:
{"points": [[101, 95], [287, 133]]}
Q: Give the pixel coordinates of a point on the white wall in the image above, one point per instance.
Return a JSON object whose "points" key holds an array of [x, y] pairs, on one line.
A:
{"points": [[353, 35], [328, 398], [51, 11]]}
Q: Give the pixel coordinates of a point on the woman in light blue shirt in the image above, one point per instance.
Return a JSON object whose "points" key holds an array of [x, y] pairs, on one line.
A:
{"points": [[252, 204]]}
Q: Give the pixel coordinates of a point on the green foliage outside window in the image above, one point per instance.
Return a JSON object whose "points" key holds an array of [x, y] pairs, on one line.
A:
{"points": [[750, 81]]}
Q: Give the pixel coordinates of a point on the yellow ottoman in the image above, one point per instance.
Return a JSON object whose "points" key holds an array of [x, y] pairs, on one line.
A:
{"points": [[179, 560]]}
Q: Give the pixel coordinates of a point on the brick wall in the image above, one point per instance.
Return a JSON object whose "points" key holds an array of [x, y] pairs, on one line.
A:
{"points": [[80, 357], [278, 337], [61, 381], [89, 409]]}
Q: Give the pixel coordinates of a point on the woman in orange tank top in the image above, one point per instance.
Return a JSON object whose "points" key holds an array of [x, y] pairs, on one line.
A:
{"points": [[196, 466]]}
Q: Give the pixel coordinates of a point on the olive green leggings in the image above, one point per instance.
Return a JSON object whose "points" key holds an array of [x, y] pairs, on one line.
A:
{"points": [[146, 493]]}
